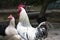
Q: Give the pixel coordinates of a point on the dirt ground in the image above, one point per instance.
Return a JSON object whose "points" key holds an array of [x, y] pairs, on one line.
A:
{"points": [[53, 34]]}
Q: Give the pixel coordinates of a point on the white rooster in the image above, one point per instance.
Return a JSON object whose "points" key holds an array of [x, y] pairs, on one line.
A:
{"points": [[24, 28], [10, 31]]}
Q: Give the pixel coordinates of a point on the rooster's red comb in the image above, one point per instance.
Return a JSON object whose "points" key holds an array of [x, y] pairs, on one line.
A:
{"points": [[21, 5]]}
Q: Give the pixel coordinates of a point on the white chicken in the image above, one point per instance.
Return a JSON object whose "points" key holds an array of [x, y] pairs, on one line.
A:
{"points": [[10, 30], [24, 28]]}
